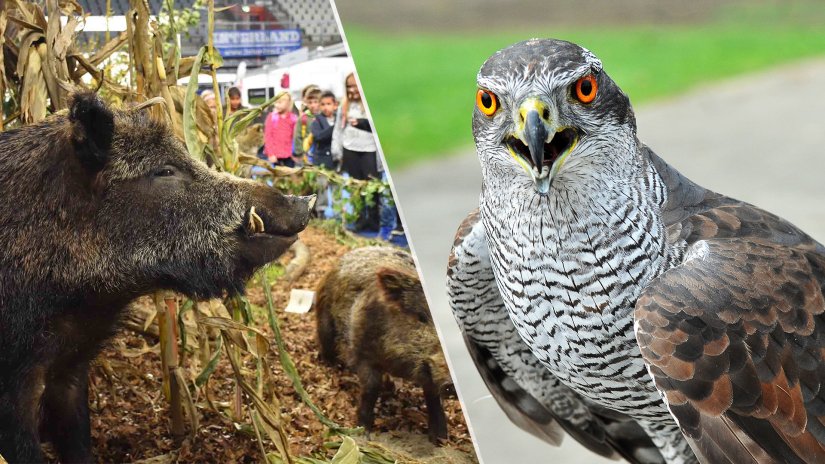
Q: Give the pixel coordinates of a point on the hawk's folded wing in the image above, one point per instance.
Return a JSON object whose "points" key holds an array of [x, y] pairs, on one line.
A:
{"points": [[734, 336]]}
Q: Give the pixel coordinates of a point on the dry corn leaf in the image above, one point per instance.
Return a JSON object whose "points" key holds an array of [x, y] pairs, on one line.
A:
{"points": [[348, 453], [108, 48], [190, 127], [256, 424], [137, 352], [27, 14], [3, 22], [203, 116], [230, 325], [26, 24], [188, 402], [184, 67], [28, 39], [58, 41], [210, 367], [85, 67], [174, 118], [272, 422], [68, 7], [278, 436], [66, 38], [235, 333], [33, 93], [49, 75], [140, 45], [30, 12]]}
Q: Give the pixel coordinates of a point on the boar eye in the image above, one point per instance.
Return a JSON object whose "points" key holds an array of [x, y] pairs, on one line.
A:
{"points": [[164, 171]]}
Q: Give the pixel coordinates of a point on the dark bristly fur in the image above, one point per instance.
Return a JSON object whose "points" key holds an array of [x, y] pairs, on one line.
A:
{"points": [[373, 316], [100, 207]]}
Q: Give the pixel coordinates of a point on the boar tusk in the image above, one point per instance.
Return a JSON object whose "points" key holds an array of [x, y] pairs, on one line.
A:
{"points": [[256, 224], [311, 201]]}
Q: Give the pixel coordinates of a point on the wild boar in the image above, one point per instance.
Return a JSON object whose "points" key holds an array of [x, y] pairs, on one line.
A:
{"points": [[373, 316], [99, 207]]}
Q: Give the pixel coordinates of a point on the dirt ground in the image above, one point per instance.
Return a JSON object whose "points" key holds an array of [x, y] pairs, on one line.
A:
{"points": [[130, 415]]}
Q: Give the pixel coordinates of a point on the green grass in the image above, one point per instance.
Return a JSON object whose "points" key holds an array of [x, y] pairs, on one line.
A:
{"points": [[421, 89]]}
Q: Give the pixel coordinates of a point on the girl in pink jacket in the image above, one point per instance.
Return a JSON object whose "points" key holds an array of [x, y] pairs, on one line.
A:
{"points": [[278, 130]]}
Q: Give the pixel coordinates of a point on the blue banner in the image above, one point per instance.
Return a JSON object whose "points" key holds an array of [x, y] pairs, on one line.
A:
{"points": [[241, 44]]}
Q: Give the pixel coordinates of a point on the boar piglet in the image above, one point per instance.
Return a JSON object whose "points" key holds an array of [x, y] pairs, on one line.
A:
{"points": [[99, 207], [373, 316]]}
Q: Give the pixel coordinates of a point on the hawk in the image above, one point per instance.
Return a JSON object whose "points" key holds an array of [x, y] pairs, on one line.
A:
{"points": [[602, 293]]}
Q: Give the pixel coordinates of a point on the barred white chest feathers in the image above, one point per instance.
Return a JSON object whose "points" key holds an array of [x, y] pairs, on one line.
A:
{"points": [[570, 265]]}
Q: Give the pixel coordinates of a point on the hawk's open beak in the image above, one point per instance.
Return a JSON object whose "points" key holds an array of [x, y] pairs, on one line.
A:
{"points": [[535, 134], [529, 144]]}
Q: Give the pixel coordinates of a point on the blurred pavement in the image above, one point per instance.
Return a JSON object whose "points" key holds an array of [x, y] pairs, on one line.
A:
{"points": [[758, 138]]}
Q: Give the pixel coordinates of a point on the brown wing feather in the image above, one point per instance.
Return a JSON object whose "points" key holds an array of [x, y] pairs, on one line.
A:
{"points": [[735, 335]]}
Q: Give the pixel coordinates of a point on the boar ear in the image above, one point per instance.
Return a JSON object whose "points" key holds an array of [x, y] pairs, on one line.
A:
{"points": [[92, 127], [401, 289]]}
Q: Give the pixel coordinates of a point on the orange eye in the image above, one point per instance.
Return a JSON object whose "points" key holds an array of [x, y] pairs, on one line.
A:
{"points": [[487, 102], [586, 89]]}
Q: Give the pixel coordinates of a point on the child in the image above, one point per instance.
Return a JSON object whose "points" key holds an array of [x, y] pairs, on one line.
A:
{"points": [[353, 134], [278, 131], [234, 97], [208, 97], [321, 131], [302, 137], [354, 143]]}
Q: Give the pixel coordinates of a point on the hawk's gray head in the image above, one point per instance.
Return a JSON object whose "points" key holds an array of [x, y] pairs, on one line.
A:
{"points": [[546, 114]]}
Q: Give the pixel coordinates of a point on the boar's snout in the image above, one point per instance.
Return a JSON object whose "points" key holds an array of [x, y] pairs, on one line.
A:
{"points": [[271, 223], [278, 214]]}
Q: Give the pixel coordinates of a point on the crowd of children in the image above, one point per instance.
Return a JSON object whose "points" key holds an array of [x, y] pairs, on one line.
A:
{"points": [[327, 134]]}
